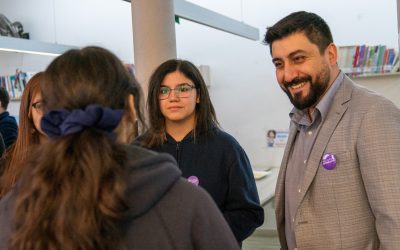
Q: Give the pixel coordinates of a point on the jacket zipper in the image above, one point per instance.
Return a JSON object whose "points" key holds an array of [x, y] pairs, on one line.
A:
{"points": [[178, 158]]}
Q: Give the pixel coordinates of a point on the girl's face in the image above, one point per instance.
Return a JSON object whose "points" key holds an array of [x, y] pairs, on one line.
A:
{"points": [[178, 98], [36, 111]]}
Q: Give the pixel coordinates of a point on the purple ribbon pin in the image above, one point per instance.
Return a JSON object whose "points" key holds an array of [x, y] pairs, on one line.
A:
{"points": [[329, 161], [194, 180]]}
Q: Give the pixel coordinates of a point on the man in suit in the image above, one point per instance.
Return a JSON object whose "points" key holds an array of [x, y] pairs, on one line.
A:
{"points": [[339, 182]]}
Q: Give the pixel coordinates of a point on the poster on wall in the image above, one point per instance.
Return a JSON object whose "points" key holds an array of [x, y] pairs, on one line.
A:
{"points": [[276, 138]]}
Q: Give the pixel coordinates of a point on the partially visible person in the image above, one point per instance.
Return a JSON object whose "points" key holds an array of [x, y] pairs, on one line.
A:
{"points": [[183, 123], [8, 124], [139, 124], [29, 133], [86, 188], [338, 186]]}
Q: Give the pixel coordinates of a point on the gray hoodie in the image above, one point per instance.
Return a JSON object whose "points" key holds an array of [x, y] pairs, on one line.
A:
{"points": [[166, 211]]}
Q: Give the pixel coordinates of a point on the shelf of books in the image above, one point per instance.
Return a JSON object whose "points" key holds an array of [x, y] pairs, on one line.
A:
{"points": [[15, 83], [368, 61]]}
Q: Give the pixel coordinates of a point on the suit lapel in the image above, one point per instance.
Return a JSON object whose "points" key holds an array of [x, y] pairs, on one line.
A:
{"points": [[338, 108]]}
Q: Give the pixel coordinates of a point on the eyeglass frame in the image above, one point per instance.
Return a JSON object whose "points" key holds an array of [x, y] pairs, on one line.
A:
{"points": [[177, 93]]}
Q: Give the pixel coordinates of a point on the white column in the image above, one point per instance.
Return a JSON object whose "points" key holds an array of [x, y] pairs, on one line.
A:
{"points": [[153, 23], [398, 21]]}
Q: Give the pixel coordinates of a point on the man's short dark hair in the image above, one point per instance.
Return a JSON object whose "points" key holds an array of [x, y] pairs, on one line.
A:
{"points": [[313, 26], [4, 98]]}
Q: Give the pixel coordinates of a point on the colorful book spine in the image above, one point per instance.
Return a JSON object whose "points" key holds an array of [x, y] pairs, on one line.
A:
{"points": [[364, 60], [15, 84]]}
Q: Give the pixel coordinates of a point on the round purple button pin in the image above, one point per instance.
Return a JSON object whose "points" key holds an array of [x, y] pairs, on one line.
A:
{"points": [[329, 161], [194, 180]]}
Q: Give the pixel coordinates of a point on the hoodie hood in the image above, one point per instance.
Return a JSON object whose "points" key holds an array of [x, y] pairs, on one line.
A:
{"points": [[150, 176]]}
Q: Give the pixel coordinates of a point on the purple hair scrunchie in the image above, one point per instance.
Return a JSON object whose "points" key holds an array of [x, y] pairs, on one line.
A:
{"points": [[61, 122]]}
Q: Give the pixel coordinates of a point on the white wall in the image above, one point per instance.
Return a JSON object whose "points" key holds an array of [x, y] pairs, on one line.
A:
{"points": [[106, 23], [244, 91]]}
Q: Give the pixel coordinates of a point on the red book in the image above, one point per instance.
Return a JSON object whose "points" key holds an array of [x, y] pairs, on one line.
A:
{"points": [[385, 60], [355, 58]]}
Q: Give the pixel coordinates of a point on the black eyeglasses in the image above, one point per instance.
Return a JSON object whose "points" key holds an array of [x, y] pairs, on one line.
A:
{"points": [[38, 106], [181, 91]]}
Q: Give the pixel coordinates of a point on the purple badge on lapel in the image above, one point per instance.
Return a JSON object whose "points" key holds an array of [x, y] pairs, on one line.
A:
{"points": [[193, 179], [329, 161]]}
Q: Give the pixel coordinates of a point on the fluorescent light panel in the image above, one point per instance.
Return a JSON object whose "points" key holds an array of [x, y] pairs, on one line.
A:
{"points": [[20, 45], [198, 14]]}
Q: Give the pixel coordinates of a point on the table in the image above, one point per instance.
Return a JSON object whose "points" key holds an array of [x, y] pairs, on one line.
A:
{"points": [[266, 186]]}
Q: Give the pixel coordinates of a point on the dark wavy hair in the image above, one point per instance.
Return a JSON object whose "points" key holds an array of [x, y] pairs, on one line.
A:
{"points": [[72, 193], [314, 27], [206, 118]]}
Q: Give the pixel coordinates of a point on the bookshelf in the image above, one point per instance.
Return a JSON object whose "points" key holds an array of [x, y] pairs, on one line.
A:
{"points": [[374, 67], [368, 61], [28, 57], [376, 75], [21, 58], [15, 83]]}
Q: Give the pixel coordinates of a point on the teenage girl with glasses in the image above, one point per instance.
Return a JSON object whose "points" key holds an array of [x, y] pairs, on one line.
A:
{"points": [[183, 123]]}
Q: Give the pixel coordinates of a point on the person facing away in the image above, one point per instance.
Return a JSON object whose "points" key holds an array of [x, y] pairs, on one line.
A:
{"points": [[29, 133], [183, 123], [338, 186], [86, 188], [8, 124]]}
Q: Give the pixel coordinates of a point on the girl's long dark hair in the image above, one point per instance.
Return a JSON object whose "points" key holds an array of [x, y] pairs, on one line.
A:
{"points": [[71, 195], [206, 118]]}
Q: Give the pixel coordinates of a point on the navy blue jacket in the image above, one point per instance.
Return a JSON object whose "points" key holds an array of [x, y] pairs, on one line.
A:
{"points": [[8, 128], [223, 170]]}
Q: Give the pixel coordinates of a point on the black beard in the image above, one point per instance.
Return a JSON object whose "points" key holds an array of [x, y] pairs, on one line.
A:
{"points": [[317, 89]]}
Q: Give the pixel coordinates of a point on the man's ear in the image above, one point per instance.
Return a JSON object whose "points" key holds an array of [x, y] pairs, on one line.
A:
{"points": [[332, 54]]}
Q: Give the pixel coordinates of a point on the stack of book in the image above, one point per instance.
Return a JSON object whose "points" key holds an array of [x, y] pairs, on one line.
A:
{"points": [[358, 60]]}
